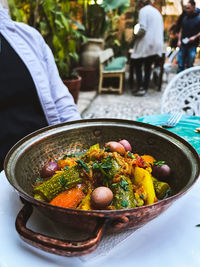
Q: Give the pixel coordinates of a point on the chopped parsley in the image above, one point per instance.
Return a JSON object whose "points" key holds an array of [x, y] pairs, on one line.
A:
{"points": [[142, 196], [160, 163], [131, 155], [124, 185], [73, 155], [66, 168], [107, 149], [115, 184], [63, 181], [102, 166], [81, 163], [38, 179], [124, 203]]}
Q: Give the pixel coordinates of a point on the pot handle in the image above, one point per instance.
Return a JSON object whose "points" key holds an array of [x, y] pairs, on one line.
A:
{"points": [[54, 245]]}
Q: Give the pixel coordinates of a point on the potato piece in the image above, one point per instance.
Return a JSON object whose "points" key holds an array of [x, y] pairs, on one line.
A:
{"points": [[143, 177]]}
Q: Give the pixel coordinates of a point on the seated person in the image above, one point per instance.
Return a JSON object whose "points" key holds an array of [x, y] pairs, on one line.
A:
{"points": [[32, 95]]}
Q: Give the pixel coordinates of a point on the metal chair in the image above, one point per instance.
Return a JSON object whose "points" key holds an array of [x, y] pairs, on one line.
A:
{"points": [[183, 93]]}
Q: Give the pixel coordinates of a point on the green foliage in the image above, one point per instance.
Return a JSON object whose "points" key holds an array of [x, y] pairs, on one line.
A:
{"points": [[102, 21], [55, 20]]}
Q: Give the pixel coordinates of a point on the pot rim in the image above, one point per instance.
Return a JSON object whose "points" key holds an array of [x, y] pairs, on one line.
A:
{"points": [[96, 122]]}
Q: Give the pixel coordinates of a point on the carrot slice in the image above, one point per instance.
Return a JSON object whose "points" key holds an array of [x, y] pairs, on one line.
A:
{"points": [[148, 159], [69, 198]]}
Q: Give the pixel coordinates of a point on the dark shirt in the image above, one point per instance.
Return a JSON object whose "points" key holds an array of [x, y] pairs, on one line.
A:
{"points": [[180, 19], [20, 109], [190, 27]]}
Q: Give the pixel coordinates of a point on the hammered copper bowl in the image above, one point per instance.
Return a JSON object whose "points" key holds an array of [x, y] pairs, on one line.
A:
{"points": [[23, 164]]}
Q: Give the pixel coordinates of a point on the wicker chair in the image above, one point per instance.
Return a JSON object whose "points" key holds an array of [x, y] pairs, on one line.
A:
{"points": [[183, 93]]}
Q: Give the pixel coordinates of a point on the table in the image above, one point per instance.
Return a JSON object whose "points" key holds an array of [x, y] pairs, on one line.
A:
{"points": [[172, 239], [185, 128]]}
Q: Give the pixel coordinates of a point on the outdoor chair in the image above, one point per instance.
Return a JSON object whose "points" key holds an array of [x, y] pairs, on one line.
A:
{"points": [[111, 67], [183, 93]]}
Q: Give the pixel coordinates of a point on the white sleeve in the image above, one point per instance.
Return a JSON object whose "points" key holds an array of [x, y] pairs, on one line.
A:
{"points": [[63, 100], [143, 19]]}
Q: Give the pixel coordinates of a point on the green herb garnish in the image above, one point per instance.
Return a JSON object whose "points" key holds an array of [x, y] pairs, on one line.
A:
{"points": [[81, 163], [107, 164], [63, 181], [124, 185], [107, 149], [102, 166], [66, 168], [73, 155], [124, 203], [160, 163], [131, 155], [142, 196], [114, 185], [38, 179]]}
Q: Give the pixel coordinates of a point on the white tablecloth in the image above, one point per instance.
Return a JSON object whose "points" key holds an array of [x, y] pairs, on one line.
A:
{"points": [[171, 240]]}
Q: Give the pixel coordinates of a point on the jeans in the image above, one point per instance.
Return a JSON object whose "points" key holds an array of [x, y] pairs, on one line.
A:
{"points": [[147, 63], [186, 57]]}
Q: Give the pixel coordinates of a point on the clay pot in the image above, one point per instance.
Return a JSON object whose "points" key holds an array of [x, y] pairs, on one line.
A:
{"points": [[89, 78], [91, 52], [74, 87]]}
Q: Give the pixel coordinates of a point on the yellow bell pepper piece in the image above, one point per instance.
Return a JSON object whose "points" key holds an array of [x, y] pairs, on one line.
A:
{"points": [[143, 177]]}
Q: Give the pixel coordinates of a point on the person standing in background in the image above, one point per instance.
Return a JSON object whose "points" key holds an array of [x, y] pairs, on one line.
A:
{"points": [[4, 3], [32, 95], [148, 44], [188, 37]]}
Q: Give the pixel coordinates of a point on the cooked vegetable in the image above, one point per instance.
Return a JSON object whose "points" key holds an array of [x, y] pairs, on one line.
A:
{"points": [[143, 177], [101, 197], [94, 147], [109, 178], [148, 159], [161, 188], [108, 168], [123, 194], [86, 201], [69, 198], [49, 169], [126, 145], [58, 183], [116, 147], [161, 171]]}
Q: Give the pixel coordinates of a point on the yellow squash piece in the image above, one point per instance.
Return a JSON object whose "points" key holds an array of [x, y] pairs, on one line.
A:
{"points": [[143, 178], [85, 203]]}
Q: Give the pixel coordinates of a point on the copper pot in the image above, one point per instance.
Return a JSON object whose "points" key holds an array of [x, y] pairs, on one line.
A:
{"points": [[23, 164]]}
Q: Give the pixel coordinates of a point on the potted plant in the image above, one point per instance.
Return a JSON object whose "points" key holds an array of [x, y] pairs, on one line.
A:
{"points": [[55, 20], [101, 27]]}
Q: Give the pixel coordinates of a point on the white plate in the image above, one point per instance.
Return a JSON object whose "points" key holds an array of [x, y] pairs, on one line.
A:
{"points": [[171, 240]]}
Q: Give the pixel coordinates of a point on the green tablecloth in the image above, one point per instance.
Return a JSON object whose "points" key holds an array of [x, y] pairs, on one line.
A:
{"points": [[185, 128]]}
